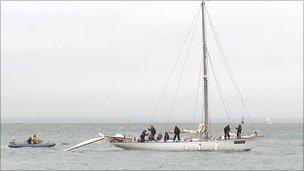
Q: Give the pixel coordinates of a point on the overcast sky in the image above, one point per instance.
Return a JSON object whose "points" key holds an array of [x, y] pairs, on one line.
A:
{"points": [[109, 61]]}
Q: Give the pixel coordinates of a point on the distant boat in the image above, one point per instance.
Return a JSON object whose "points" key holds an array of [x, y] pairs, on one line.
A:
{"points": [[268, 121]]}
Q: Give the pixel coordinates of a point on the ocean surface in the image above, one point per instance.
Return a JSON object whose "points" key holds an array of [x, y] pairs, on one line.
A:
{"points": [[280, 149]]}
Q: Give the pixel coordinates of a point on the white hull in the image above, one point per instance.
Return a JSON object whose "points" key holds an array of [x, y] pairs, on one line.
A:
{"points": [[212, 145]]}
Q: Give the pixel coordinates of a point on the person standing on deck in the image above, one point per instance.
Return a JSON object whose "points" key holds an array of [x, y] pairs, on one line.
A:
{"points": [[226, 132], [239, 131], [153, 132], [159, 137], [176, 133], [143, 136], [166, 137]]}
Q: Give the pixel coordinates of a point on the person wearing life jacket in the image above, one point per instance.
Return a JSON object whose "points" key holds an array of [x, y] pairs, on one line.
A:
{"points": [[176, 133], [239, 131], [226, 132], [35, 139]]}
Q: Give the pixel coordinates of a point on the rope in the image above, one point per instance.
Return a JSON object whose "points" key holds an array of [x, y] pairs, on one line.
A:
{"points": [[220, 91], [181, 76], [174, 67], [227, 65], [197, 92]]}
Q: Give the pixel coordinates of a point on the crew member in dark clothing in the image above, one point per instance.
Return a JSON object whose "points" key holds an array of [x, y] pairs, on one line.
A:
{"points": [[150, 137], [239, 131], [226, 132], [153, 132], [166, 137], [143, 136], [176, 133], [29, 140], [159, 137]]}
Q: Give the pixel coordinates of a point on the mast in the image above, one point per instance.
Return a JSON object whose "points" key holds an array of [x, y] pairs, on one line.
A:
{"points": [[205, 75]]}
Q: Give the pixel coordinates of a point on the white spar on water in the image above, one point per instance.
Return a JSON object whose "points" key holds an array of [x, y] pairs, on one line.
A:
{"points": [[93, 140], [87, 142]]}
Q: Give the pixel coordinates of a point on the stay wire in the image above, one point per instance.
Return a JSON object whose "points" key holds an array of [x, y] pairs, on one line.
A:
{"points": [[197, 93], [227, 65], [174, 67], [181, 76], [220, 91]]}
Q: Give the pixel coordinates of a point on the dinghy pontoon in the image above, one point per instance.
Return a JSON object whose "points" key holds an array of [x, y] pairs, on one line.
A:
{"points": [[20, 145]]}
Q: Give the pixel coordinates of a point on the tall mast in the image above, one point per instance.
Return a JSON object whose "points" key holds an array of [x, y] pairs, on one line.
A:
{"points": [[205, 75]]}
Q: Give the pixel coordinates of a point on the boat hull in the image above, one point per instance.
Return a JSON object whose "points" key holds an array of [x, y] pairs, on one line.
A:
{"points": [[20, 145], [214, 145]]}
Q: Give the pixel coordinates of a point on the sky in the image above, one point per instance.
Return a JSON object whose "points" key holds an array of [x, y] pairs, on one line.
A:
{"points": [[109, 61]]}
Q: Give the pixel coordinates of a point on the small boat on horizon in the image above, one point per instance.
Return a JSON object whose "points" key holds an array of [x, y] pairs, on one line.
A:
{"points": [[268, 121]]}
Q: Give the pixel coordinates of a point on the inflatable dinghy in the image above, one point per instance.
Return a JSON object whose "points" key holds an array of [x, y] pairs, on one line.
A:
{"points": [[19, 145]]}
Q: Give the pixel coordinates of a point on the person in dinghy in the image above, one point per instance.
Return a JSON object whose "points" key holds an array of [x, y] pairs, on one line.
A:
{"points": [[36, 140]]}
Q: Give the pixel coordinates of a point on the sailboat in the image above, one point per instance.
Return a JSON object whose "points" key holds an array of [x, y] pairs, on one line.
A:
{"points": [[268, 121], [204, 143]]}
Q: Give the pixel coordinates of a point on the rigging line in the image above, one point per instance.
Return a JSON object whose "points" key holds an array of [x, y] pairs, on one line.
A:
{"points": [[209, 88], [202, 58], [209, 96], [182, 73], [174, 66], [197, 92], [220, 91], [227, 65]]}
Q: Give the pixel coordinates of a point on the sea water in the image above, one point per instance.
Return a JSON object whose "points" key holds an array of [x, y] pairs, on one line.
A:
{"points": [[281, 148]]}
